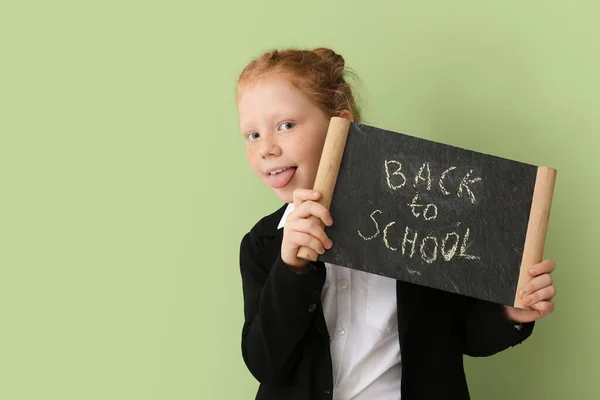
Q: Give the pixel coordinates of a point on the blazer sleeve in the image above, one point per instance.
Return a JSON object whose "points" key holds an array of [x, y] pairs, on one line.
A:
{"points": [[279, 306], [489, 331]]}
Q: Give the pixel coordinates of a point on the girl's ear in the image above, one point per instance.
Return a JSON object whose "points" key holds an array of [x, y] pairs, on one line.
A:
{"points": [[346, 114]]}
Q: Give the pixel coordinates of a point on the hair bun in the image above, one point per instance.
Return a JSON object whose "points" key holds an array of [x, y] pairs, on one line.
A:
{"points": [[331, 56], [319, 72]]}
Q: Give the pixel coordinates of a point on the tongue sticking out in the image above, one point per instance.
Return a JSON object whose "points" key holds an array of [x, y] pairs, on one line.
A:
{"points": [[281, 179]]}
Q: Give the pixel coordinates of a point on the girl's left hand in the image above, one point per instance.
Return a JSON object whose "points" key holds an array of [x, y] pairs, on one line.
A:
{"points": [[537, 294]]}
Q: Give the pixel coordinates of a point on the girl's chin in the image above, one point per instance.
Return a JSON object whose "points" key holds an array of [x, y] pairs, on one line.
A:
{"points": [[286, 194]]}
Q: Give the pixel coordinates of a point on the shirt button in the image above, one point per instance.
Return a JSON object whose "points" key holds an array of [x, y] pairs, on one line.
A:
{"points": [[312, 307], [341, 332], [518, 326], [343, 284]]}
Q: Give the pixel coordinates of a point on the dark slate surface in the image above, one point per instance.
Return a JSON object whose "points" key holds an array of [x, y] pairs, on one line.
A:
{"points": [[486, 196]]}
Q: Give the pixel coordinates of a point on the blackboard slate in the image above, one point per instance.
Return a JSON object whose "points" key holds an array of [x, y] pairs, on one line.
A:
{"points": [[473, 203]]}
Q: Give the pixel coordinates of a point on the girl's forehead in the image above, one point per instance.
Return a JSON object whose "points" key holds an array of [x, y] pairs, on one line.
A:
{"points": [[272, 97], [266, 83], [271, 94]]}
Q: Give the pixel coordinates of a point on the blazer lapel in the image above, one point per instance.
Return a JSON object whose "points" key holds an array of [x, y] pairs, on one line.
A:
{"points": [[271, 238], [269, 253], [272, 247], [408, 296]]}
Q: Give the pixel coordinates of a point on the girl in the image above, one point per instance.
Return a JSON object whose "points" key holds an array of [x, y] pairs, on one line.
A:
{"points": [[321, 331]]}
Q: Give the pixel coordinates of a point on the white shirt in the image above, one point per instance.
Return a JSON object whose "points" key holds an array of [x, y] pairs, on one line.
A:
{"points": [[361, 315]]}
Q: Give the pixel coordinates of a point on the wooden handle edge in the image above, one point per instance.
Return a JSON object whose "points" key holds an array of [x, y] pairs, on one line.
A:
{"points": [[537, 226], [329, 167]]}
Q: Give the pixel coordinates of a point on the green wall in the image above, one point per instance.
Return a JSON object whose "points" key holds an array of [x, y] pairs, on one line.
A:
{"points": [[125, 190]]}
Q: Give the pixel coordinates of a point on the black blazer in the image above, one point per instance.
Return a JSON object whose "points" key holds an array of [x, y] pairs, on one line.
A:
{"points": [[285, 343]]}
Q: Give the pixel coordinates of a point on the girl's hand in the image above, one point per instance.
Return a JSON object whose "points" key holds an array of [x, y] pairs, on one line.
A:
{"points": [[299, 230], [537, 294]]}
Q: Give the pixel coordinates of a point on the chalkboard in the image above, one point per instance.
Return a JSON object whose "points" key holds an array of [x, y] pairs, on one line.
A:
{"points": [[435, 214]]}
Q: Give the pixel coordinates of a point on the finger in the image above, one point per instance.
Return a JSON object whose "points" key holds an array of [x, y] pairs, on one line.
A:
{"points": [[304, 239], [310, 227], [544, 267], [302, 195], [536, 284], [526, 316], [544, 307], [544, 294], [310, 208]]}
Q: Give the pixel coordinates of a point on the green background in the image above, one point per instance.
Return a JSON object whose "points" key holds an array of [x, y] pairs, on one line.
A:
{"points": [[125, 189]]}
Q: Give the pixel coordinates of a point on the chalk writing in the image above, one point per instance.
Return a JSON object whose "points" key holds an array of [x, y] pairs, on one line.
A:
{"points": [[395, 173], [420, 176], [376, 226], [424, 174], [387, 244], [449, 254], [410, 241], [406, 240], [413, 206], [465, 184], [463, 248], [426, 212], [428, 247], [442, 180], [433, 256]]}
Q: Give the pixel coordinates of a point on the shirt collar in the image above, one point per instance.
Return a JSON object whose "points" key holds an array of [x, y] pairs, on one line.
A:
{"points": [[288, 210]]}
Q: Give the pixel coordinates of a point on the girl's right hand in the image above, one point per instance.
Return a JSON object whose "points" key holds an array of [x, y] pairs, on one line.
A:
{"points": [[299, 230]]}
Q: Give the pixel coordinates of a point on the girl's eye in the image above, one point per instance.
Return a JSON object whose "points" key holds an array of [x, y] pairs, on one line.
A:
{"points": [[286, 126], [253, 136]]}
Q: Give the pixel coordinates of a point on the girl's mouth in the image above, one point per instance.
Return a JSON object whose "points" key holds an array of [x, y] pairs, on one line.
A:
{"points": [[281, 177]]}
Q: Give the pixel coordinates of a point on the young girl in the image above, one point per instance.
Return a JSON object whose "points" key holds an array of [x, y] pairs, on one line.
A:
{"points": [[322, 331]]}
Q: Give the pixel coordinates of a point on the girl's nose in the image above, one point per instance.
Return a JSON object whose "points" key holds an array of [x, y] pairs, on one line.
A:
{"points": [[269, 147]]}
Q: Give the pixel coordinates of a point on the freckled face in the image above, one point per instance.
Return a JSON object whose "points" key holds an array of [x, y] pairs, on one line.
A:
{"points": [[284, 133]]}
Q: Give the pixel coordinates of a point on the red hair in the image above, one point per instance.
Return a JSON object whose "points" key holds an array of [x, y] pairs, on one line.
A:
{"points": [[319, 73]]}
